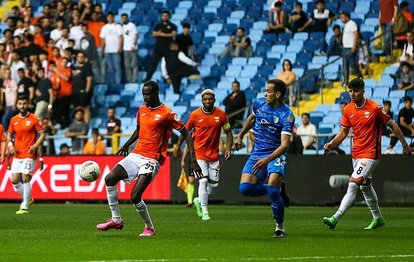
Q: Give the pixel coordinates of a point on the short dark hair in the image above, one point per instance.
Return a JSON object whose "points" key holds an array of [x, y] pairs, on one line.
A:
{"points": [[64, 145], [110, 13], [278, 86], [345, 13], [336, 27], [278, 4], [153, 85], [298, 4], [95, 131], [241, 28], [22, 97], [320, 2], [403, 4], [124, 14], [356, 83], [387, 102], [78, 110], [21, 69], [408, 98], [186, 25], [166, 12], [236, 82], [305, 114]]}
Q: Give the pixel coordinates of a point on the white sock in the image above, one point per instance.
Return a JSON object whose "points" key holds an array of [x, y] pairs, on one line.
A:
{"points": [[112, 195], [18, 188], [142, 210], [203, 194], [27, 190], [347, 201], [280, 226], [372, 200]]}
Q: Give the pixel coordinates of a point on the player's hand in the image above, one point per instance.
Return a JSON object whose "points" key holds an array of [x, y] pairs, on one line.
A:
{"points": [[123, 151], [260, 165], [12, 151], [407, 150], [227, 154], [41, 164], [182, 164], [328, 146], [176, 152], [196, 169], [238, 143]]}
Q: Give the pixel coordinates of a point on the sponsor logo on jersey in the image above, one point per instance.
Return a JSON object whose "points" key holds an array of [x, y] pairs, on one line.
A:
{"points": [[267, 124], [217, 119], [367, 114], [28, 122], [201, 120], [351, 116], [158, 117]]}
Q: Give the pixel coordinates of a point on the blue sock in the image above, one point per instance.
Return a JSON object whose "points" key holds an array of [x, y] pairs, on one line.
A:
{"points": [[278, 207], [249, 189]]}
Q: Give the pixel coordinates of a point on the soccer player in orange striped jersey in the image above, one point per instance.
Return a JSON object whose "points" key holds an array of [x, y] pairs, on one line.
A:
{"points": [[206, 123], [27, 130], [366, 118], [155, 122]]}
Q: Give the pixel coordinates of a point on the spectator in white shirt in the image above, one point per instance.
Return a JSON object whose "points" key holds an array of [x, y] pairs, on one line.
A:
{"points": [[350, 46], [408, 51], [307, 132], [57, 32], [63, 42], [130, 40], [76, 32], [20, 29], [15, 65], [111, 35]]}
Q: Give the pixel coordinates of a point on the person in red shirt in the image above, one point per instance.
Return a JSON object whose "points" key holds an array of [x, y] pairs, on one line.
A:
{"points": [[155, 122], [206, 123], [366, 118], [27, 130], [386, 18]]}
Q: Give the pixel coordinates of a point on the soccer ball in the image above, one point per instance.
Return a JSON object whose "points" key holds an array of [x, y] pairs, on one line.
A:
{"points": [[89, 171]]}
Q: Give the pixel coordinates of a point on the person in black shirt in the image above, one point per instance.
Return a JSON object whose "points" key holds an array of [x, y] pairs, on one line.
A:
{"points": [[164, 33], [176, 65], [405, 122], [299, 21], [26, 87], [112, 126], [185, 42], [235, 102], [321, 17], [43, 95], [82, 85]]}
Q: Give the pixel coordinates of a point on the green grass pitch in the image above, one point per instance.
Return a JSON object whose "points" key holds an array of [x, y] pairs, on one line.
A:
{"points": [[66, 232]]}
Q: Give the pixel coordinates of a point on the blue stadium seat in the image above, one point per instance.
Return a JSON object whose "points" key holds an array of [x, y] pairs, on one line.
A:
{"points": [[381, 92]]}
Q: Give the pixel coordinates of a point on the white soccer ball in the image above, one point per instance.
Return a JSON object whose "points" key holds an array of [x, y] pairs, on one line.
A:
{"points": [[89, 171]]}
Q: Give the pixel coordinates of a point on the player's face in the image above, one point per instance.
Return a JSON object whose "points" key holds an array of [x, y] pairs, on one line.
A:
{"points": [[357, 95], [208, 102], [270, 94], [150, 97], [22, 106]]}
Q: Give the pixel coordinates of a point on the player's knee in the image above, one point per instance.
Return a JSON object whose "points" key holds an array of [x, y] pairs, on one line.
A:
{"points": [[274, 192], [246, 189], [136, 197], [110, 179], [26, 178], [15, 180], [211, 188]]}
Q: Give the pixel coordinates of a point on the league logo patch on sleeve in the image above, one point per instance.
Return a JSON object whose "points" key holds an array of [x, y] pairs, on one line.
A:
{"points": [[290, 119], [176, 117]]}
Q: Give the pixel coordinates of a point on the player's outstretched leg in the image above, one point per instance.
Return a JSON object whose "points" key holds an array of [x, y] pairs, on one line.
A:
{"points": [[278, 209], [140, 206], [371, 199], [346, 202], [203, 198]]}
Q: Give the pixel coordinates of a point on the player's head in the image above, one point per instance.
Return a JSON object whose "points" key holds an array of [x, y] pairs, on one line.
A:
{"points": [[22, 104], [408, 102], [387, 105], [186, 28], [150, 93], [356, 90], [275, 91], [165, 15], [208, 97]]}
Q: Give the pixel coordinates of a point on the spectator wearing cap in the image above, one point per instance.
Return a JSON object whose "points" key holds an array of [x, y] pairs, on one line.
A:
{"points": [[235, 101], [349, 52], [94, 146], [176, 65], [277, 19], [299, 20], [185, 42], [111, 35], [77, 128], [164, 33], [130, 41]]}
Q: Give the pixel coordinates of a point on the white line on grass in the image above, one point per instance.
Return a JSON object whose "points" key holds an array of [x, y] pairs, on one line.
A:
{"points": [[261, 259]]}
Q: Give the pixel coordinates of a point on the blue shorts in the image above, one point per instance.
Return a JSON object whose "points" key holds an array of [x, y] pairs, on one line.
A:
{"points": [[277, 165]]}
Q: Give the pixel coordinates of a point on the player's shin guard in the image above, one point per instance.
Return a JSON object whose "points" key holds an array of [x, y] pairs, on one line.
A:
{"points": [[142, 210], [18, 188], [190, 193], [347, 201], [27, 191], [371, 199], [278, 207], [203, 194], [112, 195], [249, 189]]}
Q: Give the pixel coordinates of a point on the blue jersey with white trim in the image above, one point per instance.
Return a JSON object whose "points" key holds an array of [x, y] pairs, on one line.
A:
{"points": [[269, 126]]}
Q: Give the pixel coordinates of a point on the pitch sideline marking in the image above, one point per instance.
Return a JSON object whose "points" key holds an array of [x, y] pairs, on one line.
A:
{"points": [[260, 259]]}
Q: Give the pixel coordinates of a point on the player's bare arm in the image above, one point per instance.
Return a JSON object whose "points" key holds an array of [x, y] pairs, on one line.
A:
{"points": [[195, 168], [229, 136], [343, 133], [123, 150], [10, 145], [262, 162], [39, 141], [397, 132], [177, 147], [248, 124]]}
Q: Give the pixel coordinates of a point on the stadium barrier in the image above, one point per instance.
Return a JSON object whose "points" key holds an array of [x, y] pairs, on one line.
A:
{"points": [[307, 180]]}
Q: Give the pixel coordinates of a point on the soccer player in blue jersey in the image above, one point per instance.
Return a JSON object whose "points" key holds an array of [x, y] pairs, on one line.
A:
{"points": [[272, 122]]}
